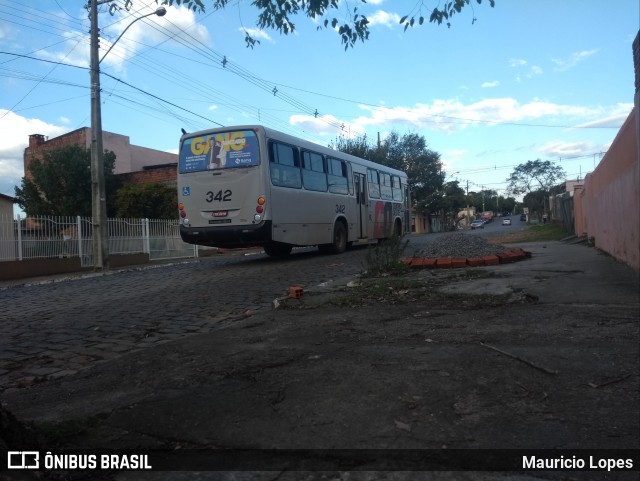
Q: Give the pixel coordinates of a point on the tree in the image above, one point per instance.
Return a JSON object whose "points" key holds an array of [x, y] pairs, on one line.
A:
{"points": [[535, 175], [151, 201], [410, 154], [358, 146], [451, 201], [60, 183], [278, 15]]}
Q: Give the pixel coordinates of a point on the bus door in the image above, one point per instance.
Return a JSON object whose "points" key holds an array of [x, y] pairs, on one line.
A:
{"points": [[360, 182]]}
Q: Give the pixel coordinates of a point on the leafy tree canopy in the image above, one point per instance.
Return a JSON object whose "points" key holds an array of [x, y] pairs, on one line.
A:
{"points": [[410, 154], [278, 15], [60, 183], [534, 175], [150, 201]]}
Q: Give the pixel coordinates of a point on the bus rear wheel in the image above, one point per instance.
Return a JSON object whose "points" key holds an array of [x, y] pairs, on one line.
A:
{"points": [[277, 249], [397, 228], [339, 244]]}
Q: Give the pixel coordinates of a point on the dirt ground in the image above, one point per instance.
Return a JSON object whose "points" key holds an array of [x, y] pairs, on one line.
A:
{"points": [[392, 363]]}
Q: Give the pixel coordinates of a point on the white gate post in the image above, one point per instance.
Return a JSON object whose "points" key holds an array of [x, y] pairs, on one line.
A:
{"points": [[79, 235], [19, 238], [145, 237]]}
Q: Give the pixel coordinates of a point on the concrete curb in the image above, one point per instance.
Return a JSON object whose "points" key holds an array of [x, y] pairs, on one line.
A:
{"points": [[506, 257]]}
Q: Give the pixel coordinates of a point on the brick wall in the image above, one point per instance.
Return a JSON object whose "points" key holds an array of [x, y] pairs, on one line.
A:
{"points": [[166, 174], [38, 144]]}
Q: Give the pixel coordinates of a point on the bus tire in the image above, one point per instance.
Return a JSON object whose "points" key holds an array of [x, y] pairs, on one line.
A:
{"points": [[339, 244], [397, 228], [277, 249]]}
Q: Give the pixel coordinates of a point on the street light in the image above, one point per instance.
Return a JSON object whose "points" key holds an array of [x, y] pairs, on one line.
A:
{"points": [[98, 194]]}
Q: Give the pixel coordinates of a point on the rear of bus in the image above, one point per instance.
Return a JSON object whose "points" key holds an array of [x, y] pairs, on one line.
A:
{"points": [[221, 188]]}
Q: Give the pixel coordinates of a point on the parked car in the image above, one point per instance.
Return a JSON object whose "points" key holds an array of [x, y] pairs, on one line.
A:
{"points": [[506, 221], [477, 224], [523, 217]]}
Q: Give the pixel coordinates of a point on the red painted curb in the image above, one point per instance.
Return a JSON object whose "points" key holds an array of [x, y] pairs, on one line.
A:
{"points": [[458, 262], [443, 263], [506, 257], [475, 262], [491, 260]]}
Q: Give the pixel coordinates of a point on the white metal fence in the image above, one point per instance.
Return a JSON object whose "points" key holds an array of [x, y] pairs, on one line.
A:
{"points": [[49, 237]]}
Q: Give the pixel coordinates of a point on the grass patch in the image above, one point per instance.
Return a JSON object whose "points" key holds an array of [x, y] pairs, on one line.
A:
{"points": [[384, 258], [534, 233]]}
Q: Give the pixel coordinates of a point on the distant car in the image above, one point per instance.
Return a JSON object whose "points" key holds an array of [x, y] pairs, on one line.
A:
{"points": [[477, 224], [506, 221], [523, 217]]}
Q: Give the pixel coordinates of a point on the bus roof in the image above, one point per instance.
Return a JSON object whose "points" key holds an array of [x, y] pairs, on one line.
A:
{"points": [[277, 135]]}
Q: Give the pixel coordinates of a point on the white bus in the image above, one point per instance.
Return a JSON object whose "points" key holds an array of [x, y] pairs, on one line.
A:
{"points": [[253, 186]]}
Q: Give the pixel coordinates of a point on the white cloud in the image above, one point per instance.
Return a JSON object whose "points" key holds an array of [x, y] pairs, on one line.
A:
{"points": [[613, 119], [257, 34], [450, 115], [455, 152], [517, 62], [326, 125], [573, 60], [493, 83], [14, 139], [534, 70], [178, 22], [561, 148], [381, 17]]}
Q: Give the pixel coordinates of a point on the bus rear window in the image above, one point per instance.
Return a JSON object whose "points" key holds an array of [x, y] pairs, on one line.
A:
{"points": [[220, 150]]}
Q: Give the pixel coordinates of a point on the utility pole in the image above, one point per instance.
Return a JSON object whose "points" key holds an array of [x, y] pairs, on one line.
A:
{"points": [[467, 213], [98, 191], [98, 194]]}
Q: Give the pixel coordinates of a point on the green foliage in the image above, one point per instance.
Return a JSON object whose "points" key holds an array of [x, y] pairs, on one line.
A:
{"points": [[151, 201], [358, 146], [384, 258], [278, 14], [534, 175], [410, 154], [60, 183]]}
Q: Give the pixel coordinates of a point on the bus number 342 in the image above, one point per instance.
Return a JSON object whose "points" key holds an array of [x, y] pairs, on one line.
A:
{"points": [[220, 196]]}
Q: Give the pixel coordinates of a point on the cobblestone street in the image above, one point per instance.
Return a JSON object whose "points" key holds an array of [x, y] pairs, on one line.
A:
{"points": [[55, 329]]}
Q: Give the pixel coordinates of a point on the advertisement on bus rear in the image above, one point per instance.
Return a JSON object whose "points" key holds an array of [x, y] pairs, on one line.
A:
{"points": [[221, 150]]}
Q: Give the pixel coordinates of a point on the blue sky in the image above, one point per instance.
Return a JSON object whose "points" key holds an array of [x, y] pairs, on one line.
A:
{"points": [[529, 79]]}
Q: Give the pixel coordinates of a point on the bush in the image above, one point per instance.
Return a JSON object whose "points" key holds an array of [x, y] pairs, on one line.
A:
{"points": [[384, 258]]}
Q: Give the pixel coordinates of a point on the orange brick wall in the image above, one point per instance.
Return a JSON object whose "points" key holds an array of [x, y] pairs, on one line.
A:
{"points": [[38, 144], [164, 175]]}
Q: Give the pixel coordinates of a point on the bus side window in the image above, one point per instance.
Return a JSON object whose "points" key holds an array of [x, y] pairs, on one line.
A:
{"points": [[313, 172], [385, 186], [396, 185], [337, 176], [374, 184], [284, 165]]}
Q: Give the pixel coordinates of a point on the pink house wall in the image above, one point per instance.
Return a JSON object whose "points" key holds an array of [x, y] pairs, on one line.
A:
{"points": [[608, 208]]}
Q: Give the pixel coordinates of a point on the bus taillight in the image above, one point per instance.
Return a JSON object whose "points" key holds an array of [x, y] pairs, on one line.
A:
{"points": [[261, 200], [259, 209]]}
